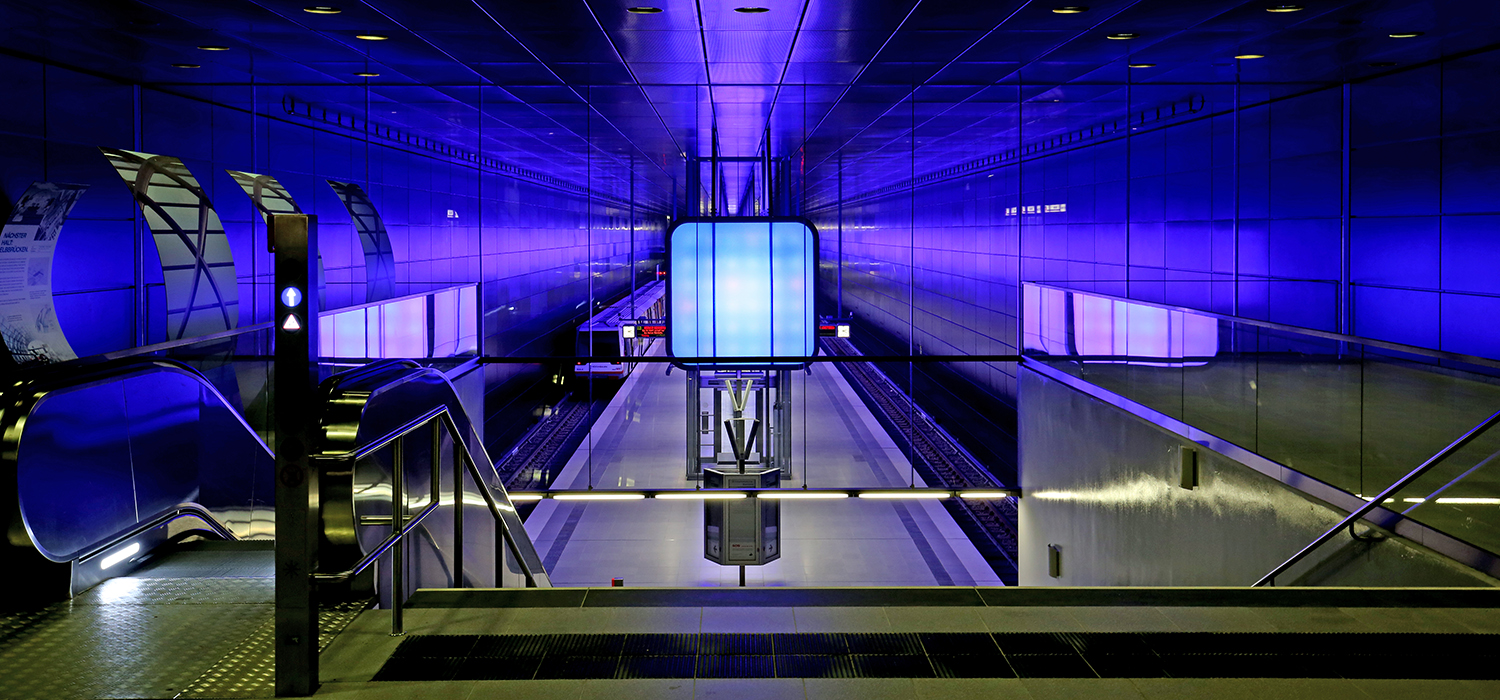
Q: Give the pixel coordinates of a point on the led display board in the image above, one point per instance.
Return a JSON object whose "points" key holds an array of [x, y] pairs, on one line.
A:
{"points": [[741, 287]]}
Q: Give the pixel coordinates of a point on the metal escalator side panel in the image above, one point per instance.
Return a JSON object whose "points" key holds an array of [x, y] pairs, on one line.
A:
{"points": [[122, 446], [74, 481]]}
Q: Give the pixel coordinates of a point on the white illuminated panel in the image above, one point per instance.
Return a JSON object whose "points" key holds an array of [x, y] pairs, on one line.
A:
{"points": [[742, 289], [399, 327]]}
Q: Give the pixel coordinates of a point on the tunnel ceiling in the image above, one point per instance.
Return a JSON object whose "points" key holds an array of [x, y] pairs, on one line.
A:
{"points": [[587, 90]]}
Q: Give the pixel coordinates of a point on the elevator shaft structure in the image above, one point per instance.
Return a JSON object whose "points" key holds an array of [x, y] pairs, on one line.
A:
{"points": [[744, 398]]}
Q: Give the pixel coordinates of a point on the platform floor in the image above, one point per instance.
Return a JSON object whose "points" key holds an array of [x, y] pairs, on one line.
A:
{"points": [[640, 442]]}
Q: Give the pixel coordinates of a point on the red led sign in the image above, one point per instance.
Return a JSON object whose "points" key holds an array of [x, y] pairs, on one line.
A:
{"points": [[651, 331]]}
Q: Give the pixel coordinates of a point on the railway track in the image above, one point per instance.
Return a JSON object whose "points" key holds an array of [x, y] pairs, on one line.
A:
{"points": [[940, 460], [528, 464]]}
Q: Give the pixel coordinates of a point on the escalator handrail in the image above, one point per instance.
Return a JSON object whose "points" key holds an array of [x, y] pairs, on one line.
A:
{"points": [[26, 392], [180, 510], [333, 383]]}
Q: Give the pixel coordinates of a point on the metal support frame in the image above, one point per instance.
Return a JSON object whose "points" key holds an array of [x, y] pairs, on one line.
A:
{"points": [[763, 398], [294, 244], [780, 425]]}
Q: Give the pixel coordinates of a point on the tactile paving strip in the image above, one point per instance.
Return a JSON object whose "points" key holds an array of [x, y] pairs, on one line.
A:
{"points": [[927, 655]]}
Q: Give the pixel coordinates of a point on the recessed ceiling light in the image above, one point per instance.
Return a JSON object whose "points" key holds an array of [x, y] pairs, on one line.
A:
{"points": [[322, 10], [186, 65], [751, 10], [643, 10], [1142, 65], [213, 48], [368, 74], [1069, 9], [371, 37], [1122, 35], [1284, 8], [1406, 35], [1249, 56]]}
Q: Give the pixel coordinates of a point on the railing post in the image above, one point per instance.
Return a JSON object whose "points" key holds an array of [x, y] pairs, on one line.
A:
{"points": [[458, 509], [398, 521]]}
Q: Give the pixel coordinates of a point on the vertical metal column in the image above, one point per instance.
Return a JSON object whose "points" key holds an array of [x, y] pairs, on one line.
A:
{"points": [[293, 240], [459, 486], [781, 423], [693, 439]]}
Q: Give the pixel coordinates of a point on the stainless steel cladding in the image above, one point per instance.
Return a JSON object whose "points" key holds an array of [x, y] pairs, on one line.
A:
{"points": [[93, 458]]}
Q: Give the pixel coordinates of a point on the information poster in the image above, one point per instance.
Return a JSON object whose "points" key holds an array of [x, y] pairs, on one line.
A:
{"points": [[28, 321]]}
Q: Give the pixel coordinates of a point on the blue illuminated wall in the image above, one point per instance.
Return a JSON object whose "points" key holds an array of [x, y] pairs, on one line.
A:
{"points": [[539, 253], [1274, 202]]}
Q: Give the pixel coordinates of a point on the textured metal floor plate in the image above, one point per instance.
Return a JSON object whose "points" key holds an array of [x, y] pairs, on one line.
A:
{"points": [[133, 640], [249, 670], [154, 637], [944, 655], [175, 591]]}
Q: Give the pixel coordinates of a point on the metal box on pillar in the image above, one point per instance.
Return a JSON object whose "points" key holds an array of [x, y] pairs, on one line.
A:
{"points": [[741, 531]]}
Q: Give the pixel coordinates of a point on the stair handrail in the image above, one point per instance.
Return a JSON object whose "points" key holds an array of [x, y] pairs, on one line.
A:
{"points": [[1373, 503], [403, 524]]}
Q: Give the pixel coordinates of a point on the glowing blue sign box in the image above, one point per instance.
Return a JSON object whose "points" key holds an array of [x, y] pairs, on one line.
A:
{"points": [[741, 287]]}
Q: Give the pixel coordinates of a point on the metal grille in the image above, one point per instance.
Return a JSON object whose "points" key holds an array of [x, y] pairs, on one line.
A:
{"points": [[945, 655]]}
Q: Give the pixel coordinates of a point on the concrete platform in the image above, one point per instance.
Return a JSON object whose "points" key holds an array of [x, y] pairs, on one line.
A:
{"points": [[640, 441]]}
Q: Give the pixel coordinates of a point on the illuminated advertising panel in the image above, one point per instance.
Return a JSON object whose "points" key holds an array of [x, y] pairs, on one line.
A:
{"points": [[741, 287]]}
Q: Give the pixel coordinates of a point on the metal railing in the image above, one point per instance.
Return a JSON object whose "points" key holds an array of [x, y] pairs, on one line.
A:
{"points": [[403, 524], [1473, 433]]}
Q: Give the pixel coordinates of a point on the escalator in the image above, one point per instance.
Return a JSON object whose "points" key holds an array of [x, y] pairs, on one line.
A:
{"points": [[140, 464]]}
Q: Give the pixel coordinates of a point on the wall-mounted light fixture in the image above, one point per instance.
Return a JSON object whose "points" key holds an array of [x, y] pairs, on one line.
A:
{"points": [[1188, 457]]}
